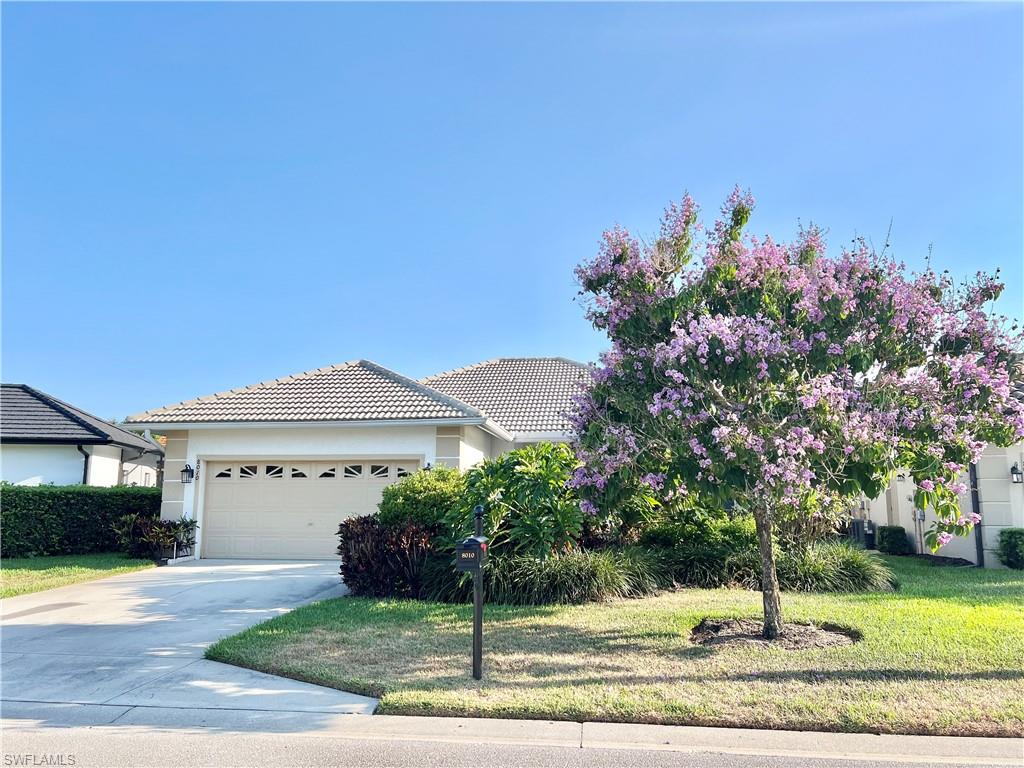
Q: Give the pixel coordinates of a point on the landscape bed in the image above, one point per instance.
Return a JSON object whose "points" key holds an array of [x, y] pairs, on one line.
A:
{"points": [[23, 575], [940, 656]]}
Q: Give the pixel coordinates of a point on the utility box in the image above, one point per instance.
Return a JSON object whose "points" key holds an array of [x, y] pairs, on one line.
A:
{"points": [[471, 554]]}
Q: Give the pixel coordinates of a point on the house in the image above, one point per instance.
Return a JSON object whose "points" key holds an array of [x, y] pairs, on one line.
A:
{"points": [[999, 501], [44, 440], [270, 469]]}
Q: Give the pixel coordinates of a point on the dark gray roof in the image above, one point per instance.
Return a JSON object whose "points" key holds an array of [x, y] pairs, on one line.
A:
{"points": [[524, 395], [30, 416]]}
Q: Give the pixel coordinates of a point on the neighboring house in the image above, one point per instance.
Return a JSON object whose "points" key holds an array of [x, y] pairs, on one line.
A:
{"points": [[277, 465], [44, 440], [1000, 502]]}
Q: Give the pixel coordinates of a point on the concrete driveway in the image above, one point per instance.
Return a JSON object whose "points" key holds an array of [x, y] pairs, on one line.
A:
{"points": [[92, 652]]}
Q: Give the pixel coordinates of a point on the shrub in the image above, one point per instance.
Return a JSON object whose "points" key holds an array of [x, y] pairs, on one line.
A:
{"points": [[426, 497], [529, 509], [1010, 548], [68, 519], [141, 536], [380, 560], [722, 552], [892, 540], [706, 552], [574, 577], [825, 566]]}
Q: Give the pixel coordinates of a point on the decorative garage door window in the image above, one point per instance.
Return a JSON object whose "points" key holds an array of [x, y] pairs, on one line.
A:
{"points": [[321, 470]]}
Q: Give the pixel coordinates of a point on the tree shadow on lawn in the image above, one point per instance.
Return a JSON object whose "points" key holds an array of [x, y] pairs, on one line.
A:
{"points": [[866, 675], [563, 675]]}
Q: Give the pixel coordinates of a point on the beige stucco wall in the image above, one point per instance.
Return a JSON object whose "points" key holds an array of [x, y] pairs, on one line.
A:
{"points": [[1002, 502], [448, 447], [1002, 506], [175, 453]]}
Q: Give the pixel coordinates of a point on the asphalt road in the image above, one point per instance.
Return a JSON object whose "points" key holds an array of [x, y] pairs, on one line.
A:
{"points": [[88, 747]]}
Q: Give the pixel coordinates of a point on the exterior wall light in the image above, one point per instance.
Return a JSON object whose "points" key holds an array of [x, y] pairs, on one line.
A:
{"points": [[187, 473], [1016, 476]]}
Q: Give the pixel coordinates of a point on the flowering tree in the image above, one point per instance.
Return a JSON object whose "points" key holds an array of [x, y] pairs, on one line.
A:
{"points": [[784, 379]]}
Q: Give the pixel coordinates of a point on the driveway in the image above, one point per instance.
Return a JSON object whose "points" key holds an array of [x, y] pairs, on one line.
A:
{"points": [[137, 640]]}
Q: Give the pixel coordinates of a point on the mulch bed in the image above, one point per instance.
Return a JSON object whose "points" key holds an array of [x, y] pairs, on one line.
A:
{"points": [[794, 637]]}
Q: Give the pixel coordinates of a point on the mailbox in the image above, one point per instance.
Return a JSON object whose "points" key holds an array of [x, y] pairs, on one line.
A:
{"points": [[471, 554]]}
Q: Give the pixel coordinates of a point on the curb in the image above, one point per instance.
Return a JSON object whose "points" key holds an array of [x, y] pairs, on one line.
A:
{"points": [[961, 750]]}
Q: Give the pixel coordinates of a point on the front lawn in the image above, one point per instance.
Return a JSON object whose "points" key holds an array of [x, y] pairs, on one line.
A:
{"points": [[21, 575], [941, 656]]}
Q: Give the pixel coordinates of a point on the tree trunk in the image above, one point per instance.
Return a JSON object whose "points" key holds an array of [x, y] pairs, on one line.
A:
{"points": [[769, 579]]}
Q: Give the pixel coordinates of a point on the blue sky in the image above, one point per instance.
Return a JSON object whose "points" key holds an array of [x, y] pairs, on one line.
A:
{"points": [[197, 197]]}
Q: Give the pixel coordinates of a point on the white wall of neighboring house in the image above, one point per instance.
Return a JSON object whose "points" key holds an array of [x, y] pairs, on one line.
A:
{"points": [[1001, 502], [138, 474], [104, 465], [40, 464], [36, 464]]}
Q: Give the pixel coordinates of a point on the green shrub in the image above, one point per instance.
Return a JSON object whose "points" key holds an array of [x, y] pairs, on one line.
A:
{"points": [[705, 552], [529, 509], [426, 497], [892, 540], [380, 560], [722, 552], [1010, 548], [68, 519], [574, 577], [825, 566]]}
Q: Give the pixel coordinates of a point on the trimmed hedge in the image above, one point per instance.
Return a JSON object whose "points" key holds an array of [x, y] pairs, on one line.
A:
{"points": [[68, 519], [426, 497], [1011, 548], [892, 540]]}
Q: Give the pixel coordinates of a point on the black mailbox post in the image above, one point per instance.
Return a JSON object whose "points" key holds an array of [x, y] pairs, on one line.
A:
{"points": [[470, 557]]}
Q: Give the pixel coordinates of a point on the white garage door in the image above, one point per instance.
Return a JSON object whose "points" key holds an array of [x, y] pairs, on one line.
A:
{"points": [[289, 509]]}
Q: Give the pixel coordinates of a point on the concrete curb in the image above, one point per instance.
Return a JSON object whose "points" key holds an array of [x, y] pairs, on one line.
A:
{"points": [[934, 750]]}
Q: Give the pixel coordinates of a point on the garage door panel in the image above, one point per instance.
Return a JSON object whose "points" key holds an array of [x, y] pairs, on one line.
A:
{"points": [[289, 509]]}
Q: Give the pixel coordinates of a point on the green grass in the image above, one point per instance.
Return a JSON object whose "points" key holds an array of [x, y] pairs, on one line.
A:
{"points": [[21, 575], [943, 655]]}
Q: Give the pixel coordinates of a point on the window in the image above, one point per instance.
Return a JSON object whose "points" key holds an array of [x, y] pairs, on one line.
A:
{"points": [[353, 470], [328, 472], [248, 470], [401, 471], [379, 470], [226, 472], [296, 472], [275, 471]]}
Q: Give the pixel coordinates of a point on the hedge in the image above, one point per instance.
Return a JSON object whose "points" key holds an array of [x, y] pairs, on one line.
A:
{"points": [[1011, 548], [67, 519], [892, 540]]}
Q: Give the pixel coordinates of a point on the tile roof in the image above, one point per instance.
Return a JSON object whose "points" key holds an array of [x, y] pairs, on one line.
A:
{"points": [[355, 391], [30, 416], [521, 394]]}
